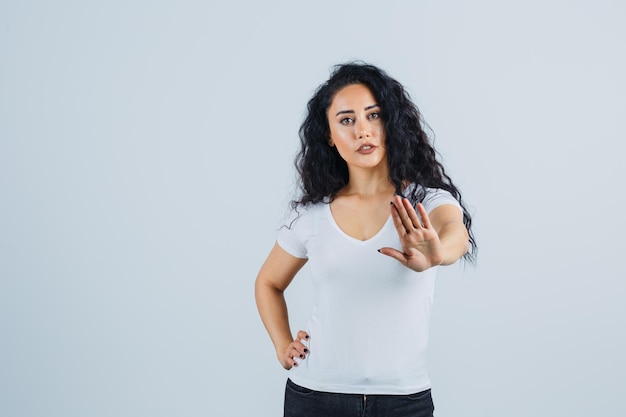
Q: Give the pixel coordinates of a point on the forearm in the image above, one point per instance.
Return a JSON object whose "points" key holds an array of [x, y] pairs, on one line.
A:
{"points": [[273, 311], [454, 241]]}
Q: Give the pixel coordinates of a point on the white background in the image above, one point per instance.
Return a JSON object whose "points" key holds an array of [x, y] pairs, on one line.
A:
{"points": [[146, 160]]}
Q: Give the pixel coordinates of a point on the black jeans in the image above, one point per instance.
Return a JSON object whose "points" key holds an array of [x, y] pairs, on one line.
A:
{"points": [[303, 402]]}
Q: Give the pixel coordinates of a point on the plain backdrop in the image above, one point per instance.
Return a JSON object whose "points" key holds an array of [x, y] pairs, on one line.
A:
{"points": [[146, 161]]}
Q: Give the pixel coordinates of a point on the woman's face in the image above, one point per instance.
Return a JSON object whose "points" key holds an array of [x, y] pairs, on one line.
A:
{"points": [[356, 127]]}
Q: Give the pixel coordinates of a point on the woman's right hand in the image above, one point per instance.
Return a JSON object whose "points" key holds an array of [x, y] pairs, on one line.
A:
{"points": [[295, 349]]}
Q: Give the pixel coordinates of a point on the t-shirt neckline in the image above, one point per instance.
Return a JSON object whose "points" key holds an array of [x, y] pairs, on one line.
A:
{"points": [[352, 238]]}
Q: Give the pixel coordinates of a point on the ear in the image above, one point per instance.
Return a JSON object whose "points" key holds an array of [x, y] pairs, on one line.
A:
{"points": [[331, 143]]}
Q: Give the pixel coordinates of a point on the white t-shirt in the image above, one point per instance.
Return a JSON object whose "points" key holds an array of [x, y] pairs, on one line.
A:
{"points": [[369, 325]]}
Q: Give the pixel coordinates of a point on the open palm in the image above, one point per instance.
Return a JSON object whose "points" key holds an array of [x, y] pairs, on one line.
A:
{"points": [[421, 247]]}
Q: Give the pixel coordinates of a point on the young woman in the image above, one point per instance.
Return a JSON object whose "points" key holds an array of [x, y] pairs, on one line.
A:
{"points": [[376, 217]]}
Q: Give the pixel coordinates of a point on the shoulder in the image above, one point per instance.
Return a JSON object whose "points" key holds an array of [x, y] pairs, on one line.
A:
{"points": [[431, 198], [298, 228], [302, 213], [303, 219]]}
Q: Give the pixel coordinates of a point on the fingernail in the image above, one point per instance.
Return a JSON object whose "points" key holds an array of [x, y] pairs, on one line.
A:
{"points": [[306, 350], [295, 364], [378, 250], [301, 356], [306, 337]]}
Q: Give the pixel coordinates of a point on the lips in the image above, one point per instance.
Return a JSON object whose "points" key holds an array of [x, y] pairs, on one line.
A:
{"points": [[366, 148]]}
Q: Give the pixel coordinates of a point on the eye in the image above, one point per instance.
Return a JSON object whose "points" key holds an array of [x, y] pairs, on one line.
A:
{"points": [[346, 121], [375, 115]]}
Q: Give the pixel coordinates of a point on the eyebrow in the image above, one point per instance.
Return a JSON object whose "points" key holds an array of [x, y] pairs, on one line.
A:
{"points": [[352, 111]]}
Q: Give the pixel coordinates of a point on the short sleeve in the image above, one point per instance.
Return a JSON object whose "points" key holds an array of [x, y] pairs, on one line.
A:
{"points": [[436, 197], [292, 235]]}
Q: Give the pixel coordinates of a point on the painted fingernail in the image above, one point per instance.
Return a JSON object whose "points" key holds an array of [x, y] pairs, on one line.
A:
{"points": [[378, 250], [295, 364], [306, 337], [301, 356], [306, 350]]}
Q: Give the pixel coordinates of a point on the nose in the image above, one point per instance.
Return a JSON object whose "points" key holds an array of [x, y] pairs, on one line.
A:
{"points": [[363, 130]]}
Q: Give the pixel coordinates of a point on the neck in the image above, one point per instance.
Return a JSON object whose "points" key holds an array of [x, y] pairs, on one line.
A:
{"points": [[368, 182]]}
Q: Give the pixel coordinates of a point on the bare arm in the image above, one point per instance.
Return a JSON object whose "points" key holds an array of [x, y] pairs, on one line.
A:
{"points": [[447, 221], [274, 277]]}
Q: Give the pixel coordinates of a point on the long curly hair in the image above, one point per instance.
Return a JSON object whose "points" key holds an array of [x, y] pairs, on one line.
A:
{"points": [[412, 159]]}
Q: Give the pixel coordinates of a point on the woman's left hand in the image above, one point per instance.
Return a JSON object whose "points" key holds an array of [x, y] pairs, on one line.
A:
{"points": [[421, 247]]}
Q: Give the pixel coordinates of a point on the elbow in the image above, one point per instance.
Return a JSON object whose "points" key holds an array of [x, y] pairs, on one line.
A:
{"points": [[263, 286]]}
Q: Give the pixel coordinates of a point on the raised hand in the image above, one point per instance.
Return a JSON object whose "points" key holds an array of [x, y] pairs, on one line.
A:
{"points": [[295, 349], [421, 247]]}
